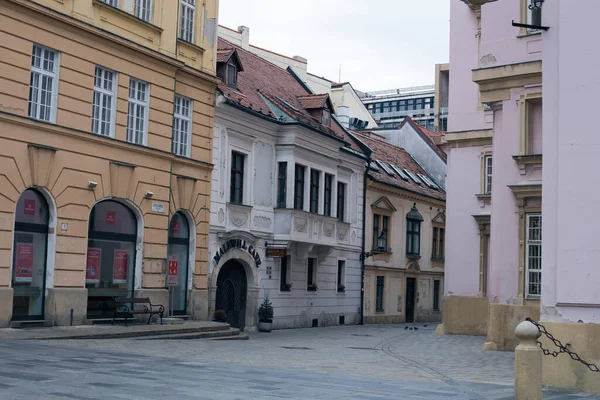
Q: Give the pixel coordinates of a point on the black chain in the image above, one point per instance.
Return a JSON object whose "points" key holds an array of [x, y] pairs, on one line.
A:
{"points": [[561, 347]]}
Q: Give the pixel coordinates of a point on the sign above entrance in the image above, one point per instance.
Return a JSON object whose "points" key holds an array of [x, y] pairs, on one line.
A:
{"points": [[276, 251], [237, 244]]}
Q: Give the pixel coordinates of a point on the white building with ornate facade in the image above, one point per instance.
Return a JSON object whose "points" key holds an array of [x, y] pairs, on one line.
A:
{"points": [[286, 206]]}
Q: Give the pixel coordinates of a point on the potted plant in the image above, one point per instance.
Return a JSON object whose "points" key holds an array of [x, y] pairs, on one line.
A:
{"points": [[341, 288], [265, 315], [312, 287], [286, 287], [220, 316]]}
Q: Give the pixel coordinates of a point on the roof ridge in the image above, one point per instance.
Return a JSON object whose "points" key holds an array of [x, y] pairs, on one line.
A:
{"points": [[238, 48]]}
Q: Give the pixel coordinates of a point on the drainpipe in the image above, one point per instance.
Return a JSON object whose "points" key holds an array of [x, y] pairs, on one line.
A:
{"points": [[364, 222]]}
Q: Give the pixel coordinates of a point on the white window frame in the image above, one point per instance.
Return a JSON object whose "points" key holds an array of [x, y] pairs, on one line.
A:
{"points": [[142, 7], [246, 182], [135, 102], [178, 118], [487, 174], [530, 242], [337, 282], [288, 274], [40, 73], [185, 32], [102, 93], [315, 274], [412, 176]]}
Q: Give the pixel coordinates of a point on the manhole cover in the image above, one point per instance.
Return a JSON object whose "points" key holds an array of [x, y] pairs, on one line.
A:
{"points": [[361, 348], [295, 348]]}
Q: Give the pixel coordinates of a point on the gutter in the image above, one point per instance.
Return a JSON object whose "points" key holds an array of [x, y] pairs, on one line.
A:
{"points": [[364, 223]]}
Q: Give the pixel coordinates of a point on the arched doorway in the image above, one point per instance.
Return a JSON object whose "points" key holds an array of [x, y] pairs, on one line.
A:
{"points": [[179, 250], [232, 287], [29, 256], [112, 235]]}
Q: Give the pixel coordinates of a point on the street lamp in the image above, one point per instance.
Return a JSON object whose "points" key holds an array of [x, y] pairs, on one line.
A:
{"points": [[380, 247]]}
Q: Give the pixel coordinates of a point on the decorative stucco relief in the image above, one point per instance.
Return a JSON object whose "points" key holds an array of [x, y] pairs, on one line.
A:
{"points": [[238, 218], [221, 215], [262, 222], [300, 224], [342, 233], [353, 236], [328, 229]]}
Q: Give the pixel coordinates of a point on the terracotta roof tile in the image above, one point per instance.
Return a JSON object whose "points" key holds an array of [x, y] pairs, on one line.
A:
{"points": [[223, 55], [390, 154], [312, 101], [262, 80]]}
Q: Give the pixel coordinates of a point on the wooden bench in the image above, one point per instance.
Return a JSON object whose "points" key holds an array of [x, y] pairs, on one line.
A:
{"points": [[124, 307]]}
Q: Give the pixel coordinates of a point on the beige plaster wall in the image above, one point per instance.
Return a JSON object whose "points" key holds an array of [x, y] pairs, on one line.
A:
{"points": [[62, 158], [503, 319], [464, 315]]}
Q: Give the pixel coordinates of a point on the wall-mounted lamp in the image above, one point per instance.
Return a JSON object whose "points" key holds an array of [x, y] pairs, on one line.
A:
{"points": [[92, 184], [148, 195]]}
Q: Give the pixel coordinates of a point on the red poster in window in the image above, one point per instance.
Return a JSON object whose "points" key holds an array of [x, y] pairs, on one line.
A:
{"points": [[176, 227], [120, 266], [172, 271], [92, 266], [110, 218], [24, 264], [29, 207]]}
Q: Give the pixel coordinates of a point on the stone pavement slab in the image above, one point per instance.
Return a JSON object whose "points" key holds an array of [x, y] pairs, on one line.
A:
{"points": [[352, 362]]}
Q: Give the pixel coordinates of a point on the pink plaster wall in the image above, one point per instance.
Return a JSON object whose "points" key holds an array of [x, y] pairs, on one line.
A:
{"points": [[571, 250], [462, 232]]}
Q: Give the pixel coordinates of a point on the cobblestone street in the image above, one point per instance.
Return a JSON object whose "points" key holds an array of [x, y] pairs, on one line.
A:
{"points": [[352, 362]]}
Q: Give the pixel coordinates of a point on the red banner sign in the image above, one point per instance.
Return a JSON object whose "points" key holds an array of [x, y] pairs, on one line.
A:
{"points": [[120, 266], [172, 271], [24, 265], [110, 217], [92, 266], [29, 207], [176, 227]]}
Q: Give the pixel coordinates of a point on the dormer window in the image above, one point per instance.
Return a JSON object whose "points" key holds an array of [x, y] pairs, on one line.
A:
{"points": [[231, 76], [326, 118], [228, 66]]}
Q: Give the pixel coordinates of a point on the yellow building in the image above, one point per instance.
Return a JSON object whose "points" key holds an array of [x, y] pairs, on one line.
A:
{"points": [[106, 116]]}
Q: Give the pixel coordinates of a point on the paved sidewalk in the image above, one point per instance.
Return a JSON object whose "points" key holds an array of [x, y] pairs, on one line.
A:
{"points": [[351, 362]]}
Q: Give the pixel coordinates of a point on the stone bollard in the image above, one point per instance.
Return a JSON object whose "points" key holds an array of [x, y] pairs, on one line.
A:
{"points": [[528, 363]]}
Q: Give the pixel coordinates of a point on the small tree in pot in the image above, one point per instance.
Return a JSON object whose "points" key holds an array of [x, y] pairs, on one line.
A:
{"points": [[265, 315]]}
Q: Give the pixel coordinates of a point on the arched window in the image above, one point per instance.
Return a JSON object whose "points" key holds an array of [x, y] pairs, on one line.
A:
{"points": [[179, 250], [112, 236], [29, 255]]}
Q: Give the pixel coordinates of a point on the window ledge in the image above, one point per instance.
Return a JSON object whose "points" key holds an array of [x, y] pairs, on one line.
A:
{"points": [[484, 196], [285, 292], [528, 159], [190, 44], [238, 205], [413, 256], [527, 34], [125, 14]]}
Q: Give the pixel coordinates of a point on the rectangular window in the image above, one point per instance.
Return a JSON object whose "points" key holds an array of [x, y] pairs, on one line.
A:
{"points": [[379, 294], [103, 103], [314, 191], [138, 112], [533, 256], [43, 83], [328, 189], [311, 275], [441, 244], [384, 231], [488, 175], [402, 105], [231, 75], [437, 247], [434, 243], [285, 281], [237, 178], [341, 200], [299, 188], [281, 184], [386, 106], [436, 295], [188, 9], [114, 3], [411, 104], [376, 219], [419, 104], [534, 14], [182, 126], [341, 276], [413, 237], [143, 9]]}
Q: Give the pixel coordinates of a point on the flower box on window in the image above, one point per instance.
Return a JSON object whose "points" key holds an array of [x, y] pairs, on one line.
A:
{"points": [[286, 287], [341, 288], [312, 288]]}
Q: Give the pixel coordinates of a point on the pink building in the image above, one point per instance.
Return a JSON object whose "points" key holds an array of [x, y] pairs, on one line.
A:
{"points": [[497, 134]]}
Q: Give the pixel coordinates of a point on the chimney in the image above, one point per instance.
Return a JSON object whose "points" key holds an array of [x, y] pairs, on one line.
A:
{"points": [[245, 31], [343, 115]]}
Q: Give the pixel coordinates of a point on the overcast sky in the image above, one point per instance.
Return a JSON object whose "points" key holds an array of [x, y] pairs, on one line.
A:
{"points": [[381, 44]]}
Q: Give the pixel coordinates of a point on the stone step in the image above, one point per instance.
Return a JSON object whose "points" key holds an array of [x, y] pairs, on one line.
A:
{"points": [[230, 333], [241, 336], [42, 323]]}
